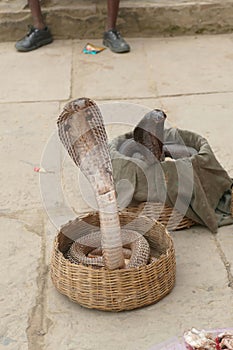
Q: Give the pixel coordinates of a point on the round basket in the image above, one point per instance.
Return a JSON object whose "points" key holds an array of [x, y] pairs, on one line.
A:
{"points": [[115, 290], [169, 217]]}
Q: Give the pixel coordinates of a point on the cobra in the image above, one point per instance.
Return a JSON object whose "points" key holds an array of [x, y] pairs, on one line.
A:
{"points": [[148, 141], [82, 132]]}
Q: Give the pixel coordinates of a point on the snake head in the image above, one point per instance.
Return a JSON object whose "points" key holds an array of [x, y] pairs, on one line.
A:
{"points": [[150, 133], [157, 115], [82, 132], [78, 105], [152, 123]]}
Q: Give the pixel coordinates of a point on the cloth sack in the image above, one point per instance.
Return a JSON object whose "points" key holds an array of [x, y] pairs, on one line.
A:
{"points": [[196, 186]]}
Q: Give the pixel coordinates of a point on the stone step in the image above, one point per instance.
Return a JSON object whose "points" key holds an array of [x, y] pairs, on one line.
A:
{"points": [[78, 19]]}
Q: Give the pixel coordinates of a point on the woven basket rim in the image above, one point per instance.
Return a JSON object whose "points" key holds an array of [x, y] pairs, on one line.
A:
{"points": [[119, 271], [94, 213], [120, 289]]}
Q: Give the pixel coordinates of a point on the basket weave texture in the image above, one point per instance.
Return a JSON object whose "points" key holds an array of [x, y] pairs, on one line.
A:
{"points": [[168, 216], [116, 290]]}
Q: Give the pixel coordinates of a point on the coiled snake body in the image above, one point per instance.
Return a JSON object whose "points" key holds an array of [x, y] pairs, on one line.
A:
{"points": [[136, 249], [81, 130]]}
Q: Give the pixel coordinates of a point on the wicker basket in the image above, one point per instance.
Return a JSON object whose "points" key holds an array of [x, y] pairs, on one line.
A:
{"points": [[116, 290], [168, 216]]}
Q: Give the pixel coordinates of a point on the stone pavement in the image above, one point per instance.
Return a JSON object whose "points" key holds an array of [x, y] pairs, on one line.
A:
{"points": [[189, 77]]}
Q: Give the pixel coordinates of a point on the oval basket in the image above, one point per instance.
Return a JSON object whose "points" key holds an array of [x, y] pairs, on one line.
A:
{"points": [[115, 290]]}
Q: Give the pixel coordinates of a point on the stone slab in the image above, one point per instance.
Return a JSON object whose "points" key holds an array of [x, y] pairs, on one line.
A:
{"points": [[42, 75], [106, 76], [25, 129], [158, 68], [190, 65], [18, 284]]}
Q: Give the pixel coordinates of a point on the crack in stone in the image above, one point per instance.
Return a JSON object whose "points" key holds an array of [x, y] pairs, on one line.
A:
{"points": [[127, 98], [32, 229], [11, 215], [195, 94], [111, 98], [225, 263], [23, 216], [38, 323], [18, 213]]}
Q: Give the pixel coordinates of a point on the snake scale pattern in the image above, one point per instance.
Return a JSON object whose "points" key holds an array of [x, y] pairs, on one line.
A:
{"points": [[81, 130]]}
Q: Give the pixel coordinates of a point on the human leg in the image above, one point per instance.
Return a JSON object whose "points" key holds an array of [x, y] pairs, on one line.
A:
{"points": [[39, 34], [112, 38], [37, 17], [112, 7]]}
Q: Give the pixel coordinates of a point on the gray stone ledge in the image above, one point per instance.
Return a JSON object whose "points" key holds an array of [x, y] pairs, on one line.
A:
{"points": [[78, 19]]}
